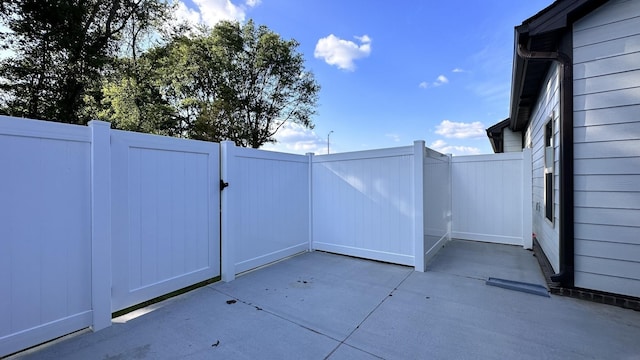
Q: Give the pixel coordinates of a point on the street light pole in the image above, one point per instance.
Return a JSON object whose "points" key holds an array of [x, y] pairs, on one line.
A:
{"points": [[328, 140]]}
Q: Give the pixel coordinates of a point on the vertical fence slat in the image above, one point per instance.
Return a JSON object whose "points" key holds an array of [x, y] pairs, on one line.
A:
{"points": [[100, 224], [527, 199], [228, 256], [310, 189], [418, 205]]}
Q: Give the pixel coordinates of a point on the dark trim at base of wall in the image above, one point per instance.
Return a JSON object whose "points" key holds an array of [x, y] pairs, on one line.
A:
{"points": [[623, 301]]}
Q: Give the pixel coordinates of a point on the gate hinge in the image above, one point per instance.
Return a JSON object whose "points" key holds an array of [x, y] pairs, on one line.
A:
{"points": [[223, 184]]}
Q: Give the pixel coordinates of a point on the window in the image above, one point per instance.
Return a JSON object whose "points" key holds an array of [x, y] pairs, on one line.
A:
{"points": [[548, 169]]}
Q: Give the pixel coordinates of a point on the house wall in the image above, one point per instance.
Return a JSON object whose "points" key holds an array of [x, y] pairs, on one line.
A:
{"points": [[547, 105], [607, 148], [512, 141]]}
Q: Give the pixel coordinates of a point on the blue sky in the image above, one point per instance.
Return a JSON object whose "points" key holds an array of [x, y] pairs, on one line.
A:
{"points": [[393, 72]]}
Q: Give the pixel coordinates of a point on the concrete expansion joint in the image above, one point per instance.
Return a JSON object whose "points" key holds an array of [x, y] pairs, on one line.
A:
{"points": [[366, 317]]}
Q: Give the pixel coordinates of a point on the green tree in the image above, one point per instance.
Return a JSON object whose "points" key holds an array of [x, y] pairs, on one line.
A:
{"points": [[132, 100], [238, 82], [60, 52]]}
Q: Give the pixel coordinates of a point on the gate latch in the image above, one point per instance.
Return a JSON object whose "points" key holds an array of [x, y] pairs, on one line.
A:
{"points": [[223, 184]]}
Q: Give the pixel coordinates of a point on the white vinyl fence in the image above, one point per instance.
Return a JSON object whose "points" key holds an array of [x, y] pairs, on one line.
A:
{"points": [[491, 198], [265, 208], [437, 202], [363, 204], [45, 232], [165, 215], [95, 220]]}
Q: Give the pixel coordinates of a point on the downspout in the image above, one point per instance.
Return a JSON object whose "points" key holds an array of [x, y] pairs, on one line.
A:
{"points": [[566, 274]]}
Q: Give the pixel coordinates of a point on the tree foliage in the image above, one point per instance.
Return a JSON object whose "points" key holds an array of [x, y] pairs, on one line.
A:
{"points": [[238, 82], [77, 60], [60, 51]]}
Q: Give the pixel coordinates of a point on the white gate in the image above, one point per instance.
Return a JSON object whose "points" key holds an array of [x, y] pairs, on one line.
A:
{"points": [[165, 215], [491, 198]]}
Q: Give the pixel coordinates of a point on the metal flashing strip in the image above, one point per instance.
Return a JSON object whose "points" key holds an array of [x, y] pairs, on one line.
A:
{"points": [[519, 286]]}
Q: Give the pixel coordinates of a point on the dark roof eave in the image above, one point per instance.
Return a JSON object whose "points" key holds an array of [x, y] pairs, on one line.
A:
{"points": [[547, 25], [495, 133]]}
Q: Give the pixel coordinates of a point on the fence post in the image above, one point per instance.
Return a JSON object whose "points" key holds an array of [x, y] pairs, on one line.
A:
{"points": [[310, 159], [100, 224], [418, 205], [450, 212], [228, 261], [527, 199]]}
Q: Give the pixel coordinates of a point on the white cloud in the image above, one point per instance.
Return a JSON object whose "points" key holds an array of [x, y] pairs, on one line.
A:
{"points": [[211, 12], [295, 138], [443, 147], [458, 70], [440, 80], [460, 130], [185, 14], [394, 137], [342, 53]]}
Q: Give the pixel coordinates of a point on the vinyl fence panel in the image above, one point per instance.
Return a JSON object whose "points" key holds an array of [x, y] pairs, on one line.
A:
{"points": [[165, 215], [491, 200], [363, 204], [265, 207], [45, 231], [437, 201]]}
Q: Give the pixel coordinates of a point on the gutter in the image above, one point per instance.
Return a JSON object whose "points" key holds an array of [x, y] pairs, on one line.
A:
{"points": [[566, 275]]}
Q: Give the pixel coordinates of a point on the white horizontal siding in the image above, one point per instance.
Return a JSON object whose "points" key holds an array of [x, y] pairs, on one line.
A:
{"points": [[613, 132], [622, 251], [612, 284], [607, 199], [607, 148], [613, 29], [619, 166], [613, 48], [607, 116], [548, 104], [512, 141], [626, 183], [624, 234], [608, 99], [609, 267], [604, 83], [618, 64]]}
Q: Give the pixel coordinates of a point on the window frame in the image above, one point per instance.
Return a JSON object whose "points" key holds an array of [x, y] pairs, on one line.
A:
{"points": [[549, 171]]}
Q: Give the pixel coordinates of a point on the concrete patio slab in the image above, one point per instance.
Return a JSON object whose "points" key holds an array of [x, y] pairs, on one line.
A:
{"points": [[482, 260], [326, 293], [197, 325], [324, 306]]}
